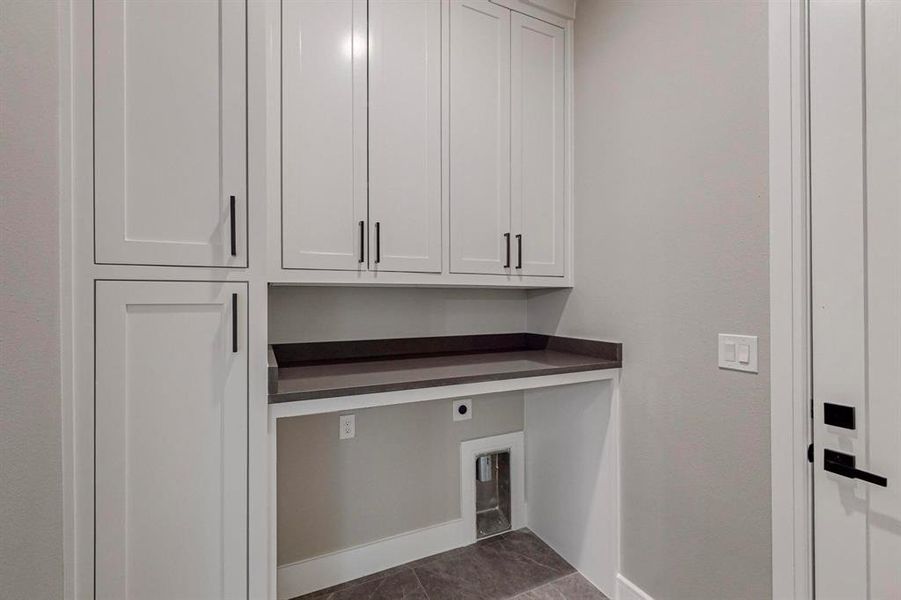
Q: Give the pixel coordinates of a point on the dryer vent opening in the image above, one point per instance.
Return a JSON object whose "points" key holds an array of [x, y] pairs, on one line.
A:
{"points": [[492, 493]]}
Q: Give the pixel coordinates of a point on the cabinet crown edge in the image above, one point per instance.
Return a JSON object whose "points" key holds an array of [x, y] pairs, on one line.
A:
{"points": [[556, 12]]}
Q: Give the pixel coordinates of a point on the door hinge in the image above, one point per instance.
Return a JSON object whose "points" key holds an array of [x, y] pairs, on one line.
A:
{"points": [[810, 453]]}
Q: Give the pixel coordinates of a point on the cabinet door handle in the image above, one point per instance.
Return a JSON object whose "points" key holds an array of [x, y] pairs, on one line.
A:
{"points": [[362, 240], [231, 212], [519, 250], [234, 322], [378, 242], [507, 241]]}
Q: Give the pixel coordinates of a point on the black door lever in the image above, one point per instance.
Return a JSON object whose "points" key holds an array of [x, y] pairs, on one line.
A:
{"points": [[843, 464]]}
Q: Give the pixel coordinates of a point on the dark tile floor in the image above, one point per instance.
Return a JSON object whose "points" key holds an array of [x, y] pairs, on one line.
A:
{"points": [[512, 565]]}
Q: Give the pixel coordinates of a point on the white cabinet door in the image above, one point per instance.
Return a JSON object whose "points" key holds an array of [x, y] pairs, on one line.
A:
{"points": [[538, 152], [405, 135], [479, 114], [169, 132], [324, 58], [171, 440]]}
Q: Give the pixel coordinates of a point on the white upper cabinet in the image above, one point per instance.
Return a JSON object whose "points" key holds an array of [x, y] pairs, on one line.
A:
{"points": [[170, 427], [507, 142], [169, 132], [479, 117], [324, 63], [405, 135], [423, 137], [538, 146]]}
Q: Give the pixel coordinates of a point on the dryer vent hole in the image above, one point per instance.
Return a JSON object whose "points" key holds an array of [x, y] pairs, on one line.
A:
{"points": [[492, 493]]}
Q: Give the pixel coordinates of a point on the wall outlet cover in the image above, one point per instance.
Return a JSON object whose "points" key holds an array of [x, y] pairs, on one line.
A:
{"points": [[347, 427], [463, 409]]}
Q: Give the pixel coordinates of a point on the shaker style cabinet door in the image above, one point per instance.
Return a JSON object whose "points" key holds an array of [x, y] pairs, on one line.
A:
{"points": [[538, 152], [171, 440], [479, 123], [324, 58], [405, 135], [169, 132]]}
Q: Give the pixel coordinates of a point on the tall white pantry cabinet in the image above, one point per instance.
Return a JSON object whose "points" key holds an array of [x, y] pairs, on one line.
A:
{"points": [[170, 414], [215, 148]]}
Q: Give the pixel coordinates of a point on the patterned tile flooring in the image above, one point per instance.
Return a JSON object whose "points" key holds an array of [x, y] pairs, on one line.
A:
{"points": [[515, 565]]}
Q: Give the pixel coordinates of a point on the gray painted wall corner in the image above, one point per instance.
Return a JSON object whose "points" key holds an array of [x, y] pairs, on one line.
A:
{"points": [[671, 248], [31, 518]]}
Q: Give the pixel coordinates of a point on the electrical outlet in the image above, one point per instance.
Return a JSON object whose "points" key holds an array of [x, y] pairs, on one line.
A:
{"points": [[463, 410], [348, 427]]}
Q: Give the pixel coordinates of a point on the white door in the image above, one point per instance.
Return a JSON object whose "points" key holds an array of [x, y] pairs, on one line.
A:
{"points": [[538, 147], [169, 132], [479, 123], [855, 145], [171, 440], [324, 58], [405, 135]]}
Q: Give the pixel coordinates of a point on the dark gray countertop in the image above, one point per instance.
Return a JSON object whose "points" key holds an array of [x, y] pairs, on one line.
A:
{"points": [[508, 356]]}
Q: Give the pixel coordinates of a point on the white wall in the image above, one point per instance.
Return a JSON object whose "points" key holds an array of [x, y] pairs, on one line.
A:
{"points": [[31, 535], [672, 248], [328, 499], [400, 473], [311, 314]]}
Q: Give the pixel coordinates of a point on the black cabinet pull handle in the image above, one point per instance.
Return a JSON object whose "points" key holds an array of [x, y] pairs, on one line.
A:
{"points": [[362, 240], [507, 241], [231, 212], [234, 322], [378, 242], [843, 464], [519, 250]]}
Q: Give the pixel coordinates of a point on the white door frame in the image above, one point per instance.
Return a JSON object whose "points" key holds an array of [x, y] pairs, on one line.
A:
{"points": [[789, 302]]}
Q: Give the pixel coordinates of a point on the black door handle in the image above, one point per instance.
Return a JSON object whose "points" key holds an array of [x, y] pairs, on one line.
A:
{"points": [[519, 248], [234, 322], [843, 464], [362, 241], [378, 242], [507, 241], [232, 224]]}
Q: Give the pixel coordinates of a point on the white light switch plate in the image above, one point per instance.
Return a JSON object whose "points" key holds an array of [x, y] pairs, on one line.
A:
{"points": [[738, 352]]}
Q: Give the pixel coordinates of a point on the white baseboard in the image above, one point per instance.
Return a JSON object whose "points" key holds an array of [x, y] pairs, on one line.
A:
{"points": [[626, 590], [303, 577]]}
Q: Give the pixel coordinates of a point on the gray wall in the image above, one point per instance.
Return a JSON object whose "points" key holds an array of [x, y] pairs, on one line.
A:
{"points": [[319, 473], [31, 534], [672, 248], [401, 472], [307, 314]]}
